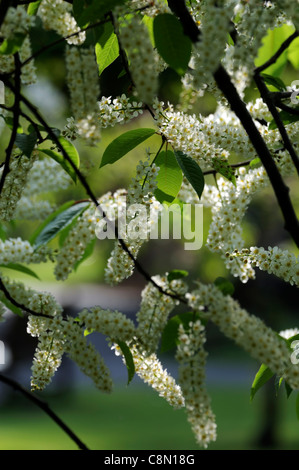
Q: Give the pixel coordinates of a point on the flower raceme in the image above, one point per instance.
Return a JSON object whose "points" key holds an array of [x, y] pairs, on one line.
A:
{"points": [[32, 182]]}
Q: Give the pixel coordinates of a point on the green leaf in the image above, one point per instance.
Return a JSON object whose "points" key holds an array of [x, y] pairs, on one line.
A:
{"points": [[278, 383], [293, 53], [128, 359], [107, 49], [255, 163], [96, 10], [20, 268], [286, 118], [288, 389], [26, 142], [11, 306], [226, 287], [271, 43], [3, 232], [224, 169], [124, 144], [87, 253], [59, 158], [169, 338], [33, 8], [176, 274], [192, 171], [50, 217], [9, 122], [172, 44], [276, 82], [59, 222], [169, 178], [12, 45], [263, 375]]}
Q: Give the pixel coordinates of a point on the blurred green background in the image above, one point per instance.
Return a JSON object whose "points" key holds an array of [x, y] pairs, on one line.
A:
{"points": [[134, 417]]}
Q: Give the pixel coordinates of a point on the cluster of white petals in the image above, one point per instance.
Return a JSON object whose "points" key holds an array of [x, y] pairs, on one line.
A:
{"points": [[14, 184], [155, 308], [83, 83], [248, 331], [120, 265], [151, 371], [191, 357], [57, 15], [144, 61]]}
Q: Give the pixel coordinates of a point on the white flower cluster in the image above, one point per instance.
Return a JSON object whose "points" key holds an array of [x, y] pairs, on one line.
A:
{"points": [[151, 371], [287, 334], [57, 336], [191, 357], [291, 12], [83, 83], [209, 50], [189, 134], [120, 265], [44, 177], [117, 111], [143, 60], [87, 357], [153, 8], [111, 323], [28, 72], [14, 184], [16, 21], [281, 263], [154, 310], [70, 130], [248, 331], [76, 243], [15, 250], [255, 19], [57, 15], [229, 206]]}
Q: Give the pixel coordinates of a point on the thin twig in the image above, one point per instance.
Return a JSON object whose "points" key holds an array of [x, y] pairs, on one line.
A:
{"points": [[277, 54], [15, 124], [275, 114], [45, 407], [23, 307], [61, 40]]}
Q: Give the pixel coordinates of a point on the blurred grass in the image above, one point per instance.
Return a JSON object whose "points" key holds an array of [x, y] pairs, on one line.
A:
{"points": [[135, 418]]}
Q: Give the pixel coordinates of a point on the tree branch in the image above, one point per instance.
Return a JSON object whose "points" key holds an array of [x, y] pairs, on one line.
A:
{"points": [[277, 54], [264, 92], [225, 84], [45, 407], [15, 125], [4, 289]]}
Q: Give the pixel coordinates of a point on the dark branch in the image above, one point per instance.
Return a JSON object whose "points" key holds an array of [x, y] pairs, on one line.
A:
{"points": [[15, 125], [278, 53], [225, 84], [45, 407], [284, 135], [14, 302]]}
